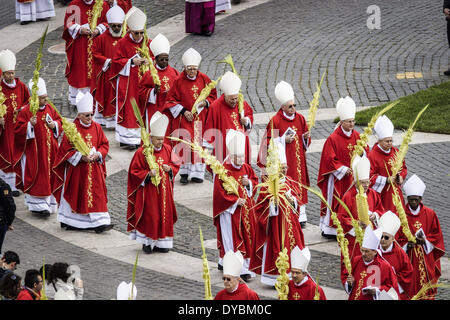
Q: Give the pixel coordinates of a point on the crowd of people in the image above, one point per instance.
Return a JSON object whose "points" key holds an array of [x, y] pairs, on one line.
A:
{"points": [[116, 79]]}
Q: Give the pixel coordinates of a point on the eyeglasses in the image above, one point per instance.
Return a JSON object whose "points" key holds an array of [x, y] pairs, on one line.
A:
{"points": [[226, 279], [138, 32], [292, 106], [115, 25], [191, 68], [88, 115], [385, 237]]}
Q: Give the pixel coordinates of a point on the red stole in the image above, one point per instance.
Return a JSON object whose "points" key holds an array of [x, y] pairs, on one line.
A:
{"points": [[335, 154], [221, 117], [295, 151], [306, 291], [379, 160], [151, 210], [15, 98], [84, 184], [128, 86], [80, 65], [426, 267], [40, 152], [270, 230], [243, 218], [103, 48], [242, 293]]}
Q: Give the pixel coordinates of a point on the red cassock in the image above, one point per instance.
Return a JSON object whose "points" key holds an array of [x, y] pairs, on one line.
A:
{"points": [[335, 154], [305, 291], [243, 218], [270, 230], [426, 267], [295, 151], [15, 98], [378, 273], [85, 183], [379, 160], [222, 117], [399, 260], [124, 4], [103, 49], [242, 293], [349, 198], [184, 92], [128, 86], [146, 85], [40, 151], [80, 64], [151, 210]]}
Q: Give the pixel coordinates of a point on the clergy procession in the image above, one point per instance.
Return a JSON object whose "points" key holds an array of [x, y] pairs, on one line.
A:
{"points": [[186, 126]]}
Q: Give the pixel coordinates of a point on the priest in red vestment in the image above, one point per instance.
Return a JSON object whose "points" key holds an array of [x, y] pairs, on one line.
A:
{"points": [[151, 96], [361, 169], [291, 130], [78, 39], [234, 216], [224, 114], [424, 224], [125, 70], [36, 146], [187, 125], [103, 51], [151, 212], [79, 185], [16, 95], [335, 173], [125, 5], [381, 157], [235, 287], [371, 274], [389, 223], [302, 286], [277, 226]]}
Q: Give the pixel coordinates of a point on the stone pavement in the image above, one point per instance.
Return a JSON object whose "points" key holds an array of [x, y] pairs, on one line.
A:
{"points": [[278, 40]]}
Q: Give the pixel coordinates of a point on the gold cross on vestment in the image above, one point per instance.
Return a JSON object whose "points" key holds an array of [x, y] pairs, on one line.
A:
{"points": [[296, 296], [195, 89], [160, 160], [13, 96], [418, 225]]}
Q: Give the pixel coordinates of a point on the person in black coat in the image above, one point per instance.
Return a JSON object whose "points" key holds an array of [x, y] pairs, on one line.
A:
{"points": [[446, 10], [7, 210]]}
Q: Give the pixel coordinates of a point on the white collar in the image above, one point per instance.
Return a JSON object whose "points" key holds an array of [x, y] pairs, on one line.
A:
{"points": [[42, 108], [190, 77], [302, 282], [85, 125], [157, 149], [235, 166], [131, 37], [387, 152], [234, 290], [347, 133], [12, 85], [159, 68], [289, 117], [367, 263], [388, 249], [88, 1], [414, 212]]}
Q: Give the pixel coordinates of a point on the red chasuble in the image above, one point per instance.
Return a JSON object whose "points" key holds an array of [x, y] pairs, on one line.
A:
{"points": [[151, 210], [269, 229], [295, 151], [84, 184], [402, 266], [243, 292], [102, 91], [146, 84], [80, 64], [222, 117], [305, 291], [375, 205], [243, 218], [40, 151], [15, 98], [128, 86], [378, 160], [184, 92], [335, 154], [426, 267], [378, 273]]}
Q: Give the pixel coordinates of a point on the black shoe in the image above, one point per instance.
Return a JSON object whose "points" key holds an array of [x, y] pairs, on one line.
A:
{"points": [[208, 33], [69, 228], [137, 146], [24, 22], [196, 180], [102, 228], [123, 145], [447, 73], [220, 267], [303, 225], [246, 277], [15, 193], [63, 225], [163, 250], [147, 249], [184, 179], [45, 214], [329, 236]]}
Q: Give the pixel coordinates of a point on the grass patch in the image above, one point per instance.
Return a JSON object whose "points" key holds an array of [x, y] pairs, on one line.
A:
{"points": [[435, 119]]}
